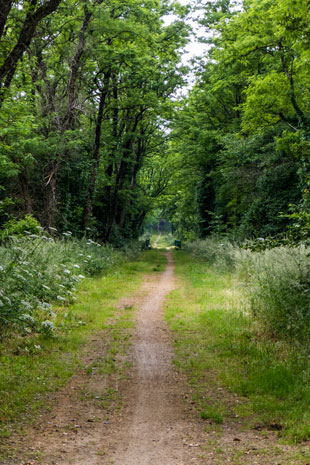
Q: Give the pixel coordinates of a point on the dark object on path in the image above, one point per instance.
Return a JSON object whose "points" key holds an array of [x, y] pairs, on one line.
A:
{"points": [[148, 244], [177, 244]]}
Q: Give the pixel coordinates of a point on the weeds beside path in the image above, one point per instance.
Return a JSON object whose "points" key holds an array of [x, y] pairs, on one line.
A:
{"points": [[121, 401], [243, 386], [34, 367]]}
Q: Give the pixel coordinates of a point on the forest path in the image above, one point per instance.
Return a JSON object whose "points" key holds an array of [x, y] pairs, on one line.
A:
{"points": [[157, 429], [120, 415], [129, 405]]}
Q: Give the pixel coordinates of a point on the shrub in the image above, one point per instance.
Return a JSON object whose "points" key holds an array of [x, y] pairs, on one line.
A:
{"points": [[277, 281], [217, 252], [25, 226], [38, 270], [280, 290]]}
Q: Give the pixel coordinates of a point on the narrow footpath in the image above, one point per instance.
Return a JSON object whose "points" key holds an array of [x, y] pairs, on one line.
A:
{"points": [[135, 415], [157, 429], [129, 405]]}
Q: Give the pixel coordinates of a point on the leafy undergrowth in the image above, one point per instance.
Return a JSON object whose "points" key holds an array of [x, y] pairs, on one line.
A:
{"points": [[219, 345], [32, 365]]}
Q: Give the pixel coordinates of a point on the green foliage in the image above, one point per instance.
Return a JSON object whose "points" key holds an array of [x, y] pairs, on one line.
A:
{"points": [[25, 226], [219, 344], [279, 291], [276, 278], [240, 139], [80, 117], [38, 271]]}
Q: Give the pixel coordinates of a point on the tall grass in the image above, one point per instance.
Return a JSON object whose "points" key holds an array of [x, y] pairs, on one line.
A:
{"points": [[215, 251], [277, 281], [36, 271]]}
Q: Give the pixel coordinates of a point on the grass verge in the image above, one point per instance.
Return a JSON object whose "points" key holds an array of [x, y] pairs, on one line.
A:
{"points": [[32, 365], [219, 345]]}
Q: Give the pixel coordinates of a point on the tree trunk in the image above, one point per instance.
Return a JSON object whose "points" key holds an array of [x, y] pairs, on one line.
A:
{"points": [[24, 187], [96, 158], [7, 70], [5, 8]]}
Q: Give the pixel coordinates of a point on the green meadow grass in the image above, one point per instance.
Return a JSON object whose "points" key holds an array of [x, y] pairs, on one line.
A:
{"points": [[218, 344], [31, 365]]}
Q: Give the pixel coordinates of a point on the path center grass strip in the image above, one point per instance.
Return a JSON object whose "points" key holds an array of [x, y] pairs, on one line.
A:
{"points": [[32, 365], [218, 345]]}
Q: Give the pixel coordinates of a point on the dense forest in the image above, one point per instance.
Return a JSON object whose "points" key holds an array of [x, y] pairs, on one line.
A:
{"points": [[241, 139], [116, 138], [94, 135], [85, 96]]}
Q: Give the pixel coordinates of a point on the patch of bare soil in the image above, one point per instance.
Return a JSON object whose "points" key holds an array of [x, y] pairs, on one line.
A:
{"points": [[143, 417]]}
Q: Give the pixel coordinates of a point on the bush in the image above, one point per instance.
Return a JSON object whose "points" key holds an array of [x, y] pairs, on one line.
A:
{"points": [[277, 281], [27, 225], [217, 252], [38, 270], [280, 290]]}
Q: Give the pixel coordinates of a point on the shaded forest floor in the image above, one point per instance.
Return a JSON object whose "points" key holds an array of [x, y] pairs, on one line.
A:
{"points": [[127, 403]]}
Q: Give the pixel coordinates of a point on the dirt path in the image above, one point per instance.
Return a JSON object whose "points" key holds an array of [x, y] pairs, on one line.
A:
{"points": [[157, 429], [110, 414], [109, 417]]}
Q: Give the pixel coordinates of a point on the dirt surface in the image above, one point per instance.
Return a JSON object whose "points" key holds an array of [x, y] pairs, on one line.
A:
{"points": [[157, 430], [134, 416], [130, 406]]}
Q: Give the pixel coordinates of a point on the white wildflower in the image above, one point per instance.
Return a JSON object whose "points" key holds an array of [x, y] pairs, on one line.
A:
{"points": [[81, 276], [67, 271], [38, 347], [28, 318], [62, 299], [46, 287], [48, 325], [46, 306], [76, 266], [26, 304]]}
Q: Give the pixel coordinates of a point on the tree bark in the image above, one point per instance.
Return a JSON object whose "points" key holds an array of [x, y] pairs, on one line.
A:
{"points": [[75, 65], [96, 158], [24, 187], [7, 70], [5, 8]]}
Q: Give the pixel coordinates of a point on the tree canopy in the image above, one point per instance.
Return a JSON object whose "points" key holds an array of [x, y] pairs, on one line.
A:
{"points": [[93, 134]]}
